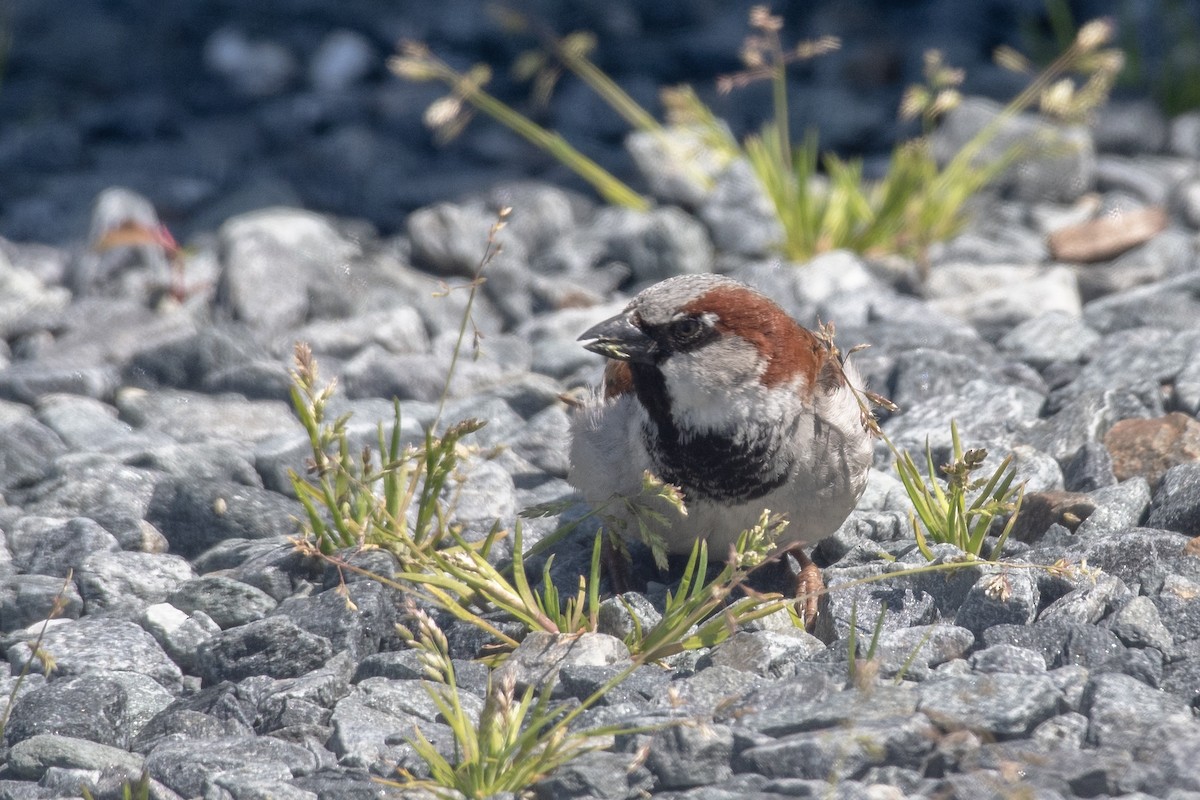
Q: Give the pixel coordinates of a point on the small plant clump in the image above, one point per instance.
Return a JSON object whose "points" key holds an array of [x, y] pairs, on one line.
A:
{"points": [[515, 741], [962, 513]]}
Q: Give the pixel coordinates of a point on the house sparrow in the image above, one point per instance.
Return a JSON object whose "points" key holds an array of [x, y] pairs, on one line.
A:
{"points": [[714, 388]]}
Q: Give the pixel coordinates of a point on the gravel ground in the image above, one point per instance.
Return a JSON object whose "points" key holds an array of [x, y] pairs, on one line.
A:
{"points": [[145, 439]]}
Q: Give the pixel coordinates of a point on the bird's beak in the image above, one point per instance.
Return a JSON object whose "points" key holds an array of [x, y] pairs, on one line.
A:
{"points": [[619, 338]]}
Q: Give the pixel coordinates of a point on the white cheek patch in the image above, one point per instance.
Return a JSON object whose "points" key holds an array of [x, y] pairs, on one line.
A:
{"points": [[717, 387]]}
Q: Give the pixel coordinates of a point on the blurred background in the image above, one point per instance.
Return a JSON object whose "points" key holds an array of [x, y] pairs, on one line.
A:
{"points": [[214, 108]]}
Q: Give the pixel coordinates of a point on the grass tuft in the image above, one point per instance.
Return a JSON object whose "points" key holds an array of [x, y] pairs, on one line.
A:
{"points": [[822, 201]]}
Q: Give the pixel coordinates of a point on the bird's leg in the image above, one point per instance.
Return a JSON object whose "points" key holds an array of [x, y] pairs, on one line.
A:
{"points": [[616, 562], [809, 586]]}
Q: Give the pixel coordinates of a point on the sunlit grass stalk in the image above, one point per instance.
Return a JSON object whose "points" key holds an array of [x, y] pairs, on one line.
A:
{"points": [[516, 742], [57, 607], [416, 62]]}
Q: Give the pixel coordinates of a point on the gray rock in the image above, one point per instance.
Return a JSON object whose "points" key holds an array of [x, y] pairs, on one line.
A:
{"points": [[924, 373], [1095, 648], [55, 546], [1090, 601], [124, 583], [259, 246], [1147, 179], [27, 451], [365, 628], [545, 440], [178, 633], [25, 296], [376, 373], [740, 216], [275, 647], [322, 688], [622, 615], [1084, 419], [114, 495], [1184, 136], [450, 238], [486, 496], [584, 681], [99, 644], [1130, 126], [187, 416], [28, 381], [366, 721], [1039, 471], [541, 212], [797, 703], [987, 416], [1134, 357], [1176, 504], [767, 653], [1061, 168], [225, 601], [1001, 236], [1181, 675], [708, 688], [30, 758], [1002, 704], [253, 67], [208, 713], [657, 244], [96, 336], [681, 168], [910, 652], [844, 753], [1049, 337], [26, 599], [182, 768], [342, 59], [604, 776], [1065, 732], [1007, 658], [801, 288], [199, 460], [273, 565], [1137, 624], [1185, 201], [1122, 711], [1172, 303], [683, 756], [402, 665], [1167, 255], [1117, 507], [105, 707], [948, 589], [397, 330], [197, 514], [93, 707], [1134, 554], [540, 655], [994, 298], [1089, 469], [251, 781], [1171, 769]]}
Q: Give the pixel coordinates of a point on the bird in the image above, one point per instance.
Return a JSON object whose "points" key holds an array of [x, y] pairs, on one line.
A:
{"points": [[713, 388]]}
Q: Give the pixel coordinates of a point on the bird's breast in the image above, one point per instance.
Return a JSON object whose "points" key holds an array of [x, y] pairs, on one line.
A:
{"points": [[717, 465]]}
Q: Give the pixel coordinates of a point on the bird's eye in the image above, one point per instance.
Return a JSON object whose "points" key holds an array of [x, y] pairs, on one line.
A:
{"points": [[686, 328]]}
